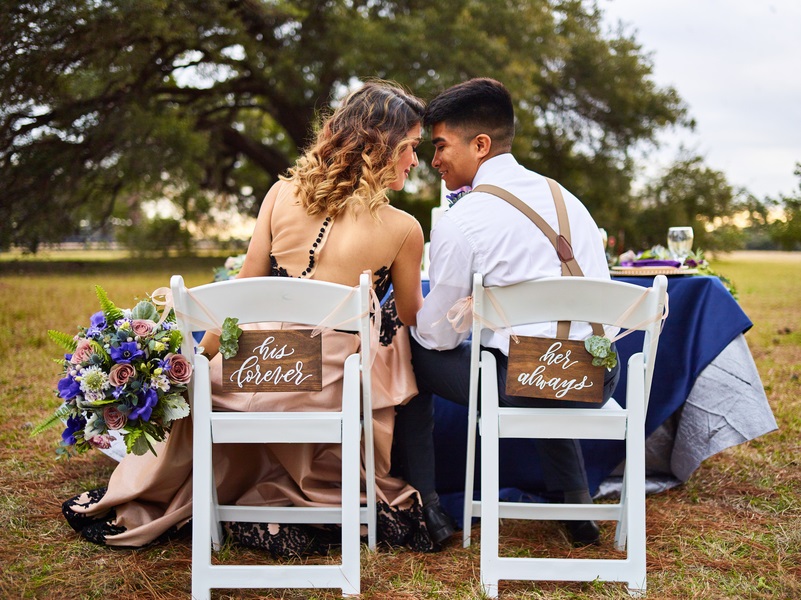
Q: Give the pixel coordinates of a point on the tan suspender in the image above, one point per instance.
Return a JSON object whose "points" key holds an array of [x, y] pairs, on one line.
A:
{"points": [[560, 241]]}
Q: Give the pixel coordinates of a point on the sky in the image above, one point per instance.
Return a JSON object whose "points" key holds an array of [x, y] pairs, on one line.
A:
{"points": [[737, 65]]}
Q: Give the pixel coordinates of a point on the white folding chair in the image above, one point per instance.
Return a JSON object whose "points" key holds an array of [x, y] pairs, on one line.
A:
{"points": [[279, 299], [563, 299]]}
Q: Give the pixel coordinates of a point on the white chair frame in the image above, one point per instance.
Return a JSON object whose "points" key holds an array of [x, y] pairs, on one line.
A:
{"points": [[563, 299], [279, 299]]}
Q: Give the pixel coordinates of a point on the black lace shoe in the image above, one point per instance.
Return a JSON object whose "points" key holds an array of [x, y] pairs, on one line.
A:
{"points": [[439, 524], [583, 533]]}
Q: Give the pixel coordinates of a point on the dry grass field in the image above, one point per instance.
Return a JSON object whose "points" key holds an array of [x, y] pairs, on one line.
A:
{"points": [[733, 531]]}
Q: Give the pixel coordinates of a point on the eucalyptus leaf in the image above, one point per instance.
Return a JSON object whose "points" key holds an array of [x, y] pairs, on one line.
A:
{"points": [[229, 339], [145, 310]]}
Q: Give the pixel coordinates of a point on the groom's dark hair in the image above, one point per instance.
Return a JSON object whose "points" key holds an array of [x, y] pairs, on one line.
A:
{"points": [[480, 105]]}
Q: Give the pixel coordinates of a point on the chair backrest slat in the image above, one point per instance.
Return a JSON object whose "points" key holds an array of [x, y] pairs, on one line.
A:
{"points": [[570, 299], [301, 301]]}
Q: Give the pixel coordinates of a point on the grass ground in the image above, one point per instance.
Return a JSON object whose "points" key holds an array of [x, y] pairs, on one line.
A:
{"points": [[733, 531]]}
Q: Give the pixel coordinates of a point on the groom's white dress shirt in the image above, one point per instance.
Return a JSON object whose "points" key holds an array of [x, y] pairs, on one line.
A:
{"points": [[484, 234]]}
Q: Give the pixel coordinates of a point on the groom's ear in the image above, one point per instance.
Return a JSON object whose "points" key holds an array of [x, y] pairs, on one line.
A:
{"points": [[483, 144]]}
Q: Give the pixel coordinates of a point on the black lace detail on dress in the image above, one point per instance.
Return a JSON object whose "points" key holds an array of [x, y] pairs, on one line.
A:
{"points": [[79, 520], [97, 532], [275, 270], [404, 527], [284, 541], [396, 527], [382, 281], [390, 323]]}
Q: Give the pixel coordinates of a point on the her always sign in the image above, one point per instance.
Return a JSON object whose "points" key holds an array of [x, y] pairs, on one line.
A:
{"points": [[285, 360], [554, 369]]}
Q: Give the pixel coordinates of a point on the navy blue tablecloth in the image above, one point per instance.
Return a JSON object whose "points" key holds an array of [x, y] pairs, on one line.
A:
{"points": [[704, 318]]}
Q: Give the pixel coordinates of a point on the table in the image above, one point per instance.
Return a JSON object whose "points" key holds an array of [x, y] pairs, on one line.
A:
{"points": [[706, 396]]}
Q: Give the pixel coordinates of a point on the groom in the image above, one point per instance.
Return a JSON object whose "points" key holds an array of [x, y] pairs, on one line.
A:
{"points": [[472, 127]]}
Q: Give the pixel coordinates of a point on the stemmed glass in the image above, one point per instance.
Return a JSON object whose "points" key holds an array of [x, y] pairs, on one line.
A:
{"points": [[680, 242]]}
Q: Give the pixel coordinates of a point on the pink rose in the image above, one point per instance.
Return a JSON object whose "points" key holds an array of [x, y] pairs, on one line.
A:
{"points": [[82, 353], [142, 327], [120, 374], [101, 441], [178, 368], [114, 418]]}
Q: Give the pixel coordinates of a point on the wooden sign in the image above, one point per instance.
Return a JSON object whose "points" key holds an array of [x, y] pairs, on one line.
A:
{"points": [[283, 360], [553, 369]]}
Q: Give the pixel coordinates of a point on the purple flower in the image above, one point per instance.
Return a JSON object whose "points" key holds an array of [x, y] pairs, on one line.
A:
{"points": [[126, 352], [147, 401], [68, 388], [74, 425], [454, 197], [97, 323]]}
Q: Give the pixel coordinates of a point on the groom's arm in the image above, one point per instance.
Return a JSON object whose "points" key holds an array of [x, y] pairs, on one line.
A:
{"points": [[450, 275]]}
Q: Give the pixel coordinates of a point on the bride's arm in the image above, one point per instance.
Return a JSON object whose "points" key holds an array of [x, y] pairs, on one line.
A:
{"points": [[405, 273]]}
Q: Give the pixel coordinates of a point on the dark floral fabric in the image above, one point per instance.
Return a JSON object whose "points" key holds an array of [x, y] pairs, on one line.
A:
{"points": [[275, 270], [95, 529], [395, 528]]}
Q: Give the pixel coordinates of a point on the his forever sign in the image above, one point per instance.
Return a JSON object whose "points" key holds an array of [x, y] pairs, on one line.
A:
{"points": [[285, 360], [553, 369]]}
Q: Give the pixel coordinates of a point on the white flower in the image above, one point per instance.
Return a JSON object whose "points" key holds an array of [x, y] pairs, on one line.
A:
{"points": [[94, 382], [160, 382]]}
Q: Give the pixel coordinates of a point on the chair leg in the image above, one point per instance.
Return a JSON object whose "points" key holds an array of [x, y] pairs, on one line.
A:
{"points": [[490, 483], [622, 529], [351, 504]]}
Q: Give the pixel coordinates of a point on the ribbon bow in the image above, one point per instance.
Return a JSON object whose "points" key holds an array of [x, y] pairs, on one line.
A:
{"points": [[162, 297]]}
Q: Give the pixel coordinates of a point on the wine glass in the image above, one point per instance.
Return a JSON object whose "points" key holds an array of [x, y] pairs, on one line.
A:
{"points": [[680, 242], [604, 236]]}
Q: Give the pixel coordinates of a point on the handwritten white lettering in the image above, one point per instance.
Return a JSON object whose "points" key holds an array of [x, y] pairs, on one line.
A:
{"points": [[552, 358], [268, 353], [559, 385], [250, 371]]}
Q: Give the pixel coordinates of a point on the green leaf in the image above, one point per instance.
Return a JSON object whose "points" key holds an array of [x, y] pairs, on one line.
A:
{"points": [[145, 310], [110, 310], [175, 340], [229, 340], [67, 342], [173, 407], [137, 443], [59, 416]]}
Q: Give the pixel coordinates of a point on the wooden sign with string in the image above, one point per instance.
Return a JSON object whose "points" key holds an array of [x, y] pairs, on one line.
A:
{"points": [[284, 360], [556, 369]]}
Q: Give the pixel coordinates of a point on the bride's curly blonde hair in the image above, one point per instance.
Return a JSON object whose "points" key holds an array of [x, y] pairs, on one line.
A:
{"points": [[353, 158]]}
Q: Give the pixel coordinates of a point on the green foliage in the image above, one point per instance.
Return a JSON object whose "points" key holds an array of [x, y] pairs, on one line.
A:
{"points": [[229, 339], [686, 193], [145, 310], [56, 418], [68, 342], [107, 103], [156, 236], [110, 310], [600, 348]]}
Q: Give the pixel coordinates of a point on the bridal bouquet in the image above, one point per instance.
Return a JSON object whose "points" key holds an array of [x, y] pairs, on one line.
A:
{"points": [[125, 374]]}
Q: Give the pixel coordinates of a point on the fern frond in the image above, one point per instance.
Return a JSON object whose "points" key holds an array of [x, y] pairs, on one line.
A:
{"points": [[57, 417], [110, 310], [67, 342]]}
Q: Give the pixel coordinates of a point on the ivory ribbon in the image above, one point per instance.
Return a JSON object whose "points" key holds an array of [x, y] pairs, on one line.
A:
{"points": [[375, 326], [163, 297], [461, 315], [636, 327]]}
